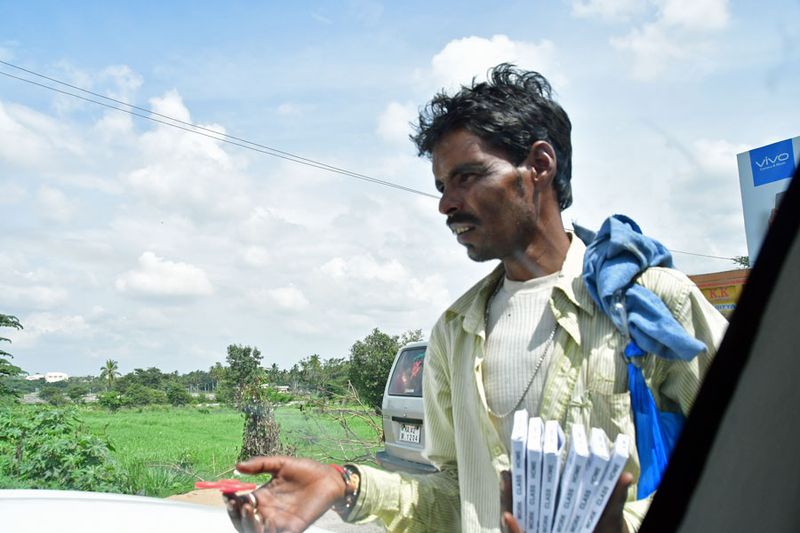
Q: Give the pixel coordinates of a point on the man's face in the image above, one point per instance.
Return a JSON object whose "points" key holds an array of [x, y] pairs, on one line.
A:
{"points": [[487, 199]]}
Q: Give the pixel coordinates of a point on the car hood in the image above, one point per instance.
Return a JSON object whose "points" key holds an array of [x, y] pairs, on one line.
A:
{"points": [[25, 511]]}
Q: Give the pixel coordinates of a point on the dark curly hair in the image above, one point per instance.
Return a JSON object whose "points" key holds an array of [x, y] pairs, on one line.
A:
{"points": [[511, 110]]}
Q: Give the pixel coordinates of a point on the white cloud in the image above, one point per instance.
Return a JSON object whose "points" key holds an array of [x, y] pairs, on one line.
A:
{"points": [[39, 325], [462, 59], [394, 123], [32, 139], [290, 298], [12, 193], [125, 82], [256, 256], [718, 156], [677, 35], [653, 50], [384, 286], [364, 268], [158, 277], [54, 205], [32, 297], [187, 172], [6, 51], [292, 109], [696, 15], [171, 105], [610, 10]]}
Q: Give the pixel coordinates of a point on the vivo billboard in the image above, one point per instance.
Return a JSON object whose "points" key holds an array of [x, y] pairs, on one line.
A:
{"points": [[764, 175]]}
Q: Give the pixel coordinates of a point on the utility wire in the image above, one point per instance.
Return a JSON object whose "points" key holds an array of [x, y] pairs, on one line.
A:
{"points": [[702, 255], [230, 139], [206, 132]]}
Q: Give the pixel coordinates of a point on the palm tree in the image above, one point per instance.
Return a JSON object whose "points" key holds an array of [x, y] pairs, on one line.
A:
{"points": [[109, 372]]}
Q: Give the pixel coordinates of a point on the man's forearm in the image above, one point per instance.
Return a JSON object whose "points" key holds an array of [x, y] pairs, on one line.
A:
{"points": [[408, 502]]}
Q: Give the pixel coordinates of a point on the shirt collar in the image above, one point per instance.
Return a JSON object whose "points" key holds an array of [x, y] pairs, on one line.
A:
{"points": [[570, 280], [472, 304]]}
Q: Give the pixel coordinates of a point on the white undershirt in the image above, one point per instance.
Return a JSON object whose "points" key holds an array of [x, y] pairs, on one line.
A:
{"points": [[520, 323]]}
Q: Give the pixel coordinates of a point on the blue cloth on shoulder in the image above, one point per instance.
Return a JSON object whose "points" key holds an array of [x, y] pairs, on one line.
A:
{"points": [[613, 260], [614, 257]]}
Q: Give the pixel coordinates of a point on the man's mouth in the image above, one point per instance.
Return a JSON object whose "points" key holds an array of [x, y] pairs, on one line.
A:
{"points": [[458, 229]]}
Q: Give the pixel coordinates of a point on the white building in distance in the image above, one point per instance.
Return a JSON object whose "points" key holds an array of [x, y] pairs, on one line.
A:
{"points": [[50, 377]]}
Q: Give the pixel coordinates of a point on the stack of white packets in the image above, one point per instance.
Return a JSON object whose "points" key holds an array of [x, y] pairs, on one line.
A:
{"points": [[549, 497]]}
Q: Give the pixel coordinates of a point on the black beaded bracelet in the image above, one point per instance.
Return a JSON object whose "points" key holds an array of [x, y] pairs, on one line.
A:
{"points": [[352, 482]]}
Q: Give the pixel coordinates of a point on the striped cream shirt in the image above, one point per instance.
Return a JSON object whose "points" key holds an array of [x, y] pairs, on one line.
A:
{"points": [[586, 383]]}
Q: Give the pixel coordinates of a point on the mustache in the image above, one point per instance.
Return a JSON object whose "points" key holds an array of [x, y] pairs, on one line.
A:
{"points": [[462, 218]]}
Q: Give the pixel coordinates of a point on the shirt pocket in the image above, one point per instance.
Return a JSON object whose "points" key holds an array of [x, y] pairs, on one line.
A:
{"points": [[605, 370], [611, 413]]}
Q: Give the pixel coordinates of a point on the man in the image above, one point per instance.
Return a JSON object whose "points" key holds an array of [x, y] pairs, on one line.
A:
{"points": [[526, 336]]}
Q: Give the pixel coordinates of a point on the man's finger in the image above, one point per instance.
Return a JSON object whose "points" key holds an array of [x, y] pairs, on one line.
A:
{"points": [[257, 465], [251, 522], [620, 494], [506, 503], [612, 517], [234, 507], [511, 523]]}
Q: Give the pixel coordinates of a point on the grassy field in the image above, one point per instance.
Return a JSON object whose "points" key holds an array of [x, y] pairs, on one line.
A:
{"points": [[166, 449]]}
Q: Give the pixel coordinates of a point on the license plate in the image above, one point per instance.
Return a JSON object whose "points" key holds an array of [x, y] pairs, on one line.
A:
{"points": [[409, 433]]}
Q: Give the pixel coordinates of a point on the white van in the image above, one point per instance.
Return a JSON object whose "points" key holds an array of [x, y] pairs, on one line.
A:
{"points": [[403, 424]]}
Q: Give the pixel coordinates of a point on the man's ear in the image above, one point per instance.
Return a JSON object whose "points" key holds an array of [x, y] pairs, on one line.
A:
{"points": [[543, 161]]}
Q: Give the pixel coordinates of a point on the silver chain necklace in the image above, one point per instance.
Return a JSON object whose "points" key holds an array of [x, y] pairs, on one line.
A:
{"points": [[548, 346]]}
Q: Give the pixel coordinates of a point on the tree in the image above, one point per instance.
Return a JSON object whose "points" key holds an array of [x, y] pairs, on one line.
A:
{"points": [[246, 378], [109, 372], [311, 372], [76, 391], [371, 360], [6, 368], [244, 374], [742, 261], [138, 395], [178, 395], [53, 395], [336, 377], [111, 400]]}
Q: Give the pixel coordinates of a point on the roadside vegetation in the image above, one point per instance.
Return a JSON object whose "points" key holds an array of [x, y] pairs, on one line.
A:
{"points": [[155, 433]]}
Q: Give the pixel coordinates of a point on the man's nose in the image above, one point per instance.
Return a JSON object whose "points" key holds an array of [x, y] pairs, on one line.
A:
{"points": [[449, 203]]}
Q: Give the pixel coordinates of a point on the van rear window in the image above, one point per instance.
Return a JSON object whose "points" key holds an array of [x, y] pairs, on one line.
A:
{"points": [[407, 376]]}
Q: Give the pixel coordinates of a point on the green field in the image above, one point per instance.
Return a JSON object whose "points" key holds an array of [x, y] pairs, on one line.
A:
{"points": [[164, 450]]}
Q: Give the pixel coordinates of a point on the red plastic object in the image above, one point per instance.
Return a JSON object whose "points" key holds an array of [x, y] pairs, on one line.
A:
{"points": [[227, 486]]}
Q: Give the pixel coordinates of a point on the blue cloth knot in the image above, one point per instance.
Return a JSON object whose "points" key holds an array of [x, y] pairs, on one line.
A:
{"points": [[615, 257]]}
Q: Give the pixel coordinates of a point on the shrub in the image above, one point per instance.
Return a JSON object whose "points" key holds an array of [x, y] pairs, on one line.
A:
{"points": [[51, 449], [53, 396], [138, 395], [111, 400], [277, 397], [178, 395]]}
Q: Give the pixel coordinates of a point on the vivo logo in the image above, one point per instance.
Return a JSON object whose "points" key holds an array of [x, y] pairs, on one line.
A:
{"points": [[770, 162]]}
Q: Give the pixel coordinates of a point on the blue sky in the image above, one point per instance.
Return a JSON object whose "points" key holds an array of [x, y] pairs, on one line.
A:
{"points": [[134, 241]]}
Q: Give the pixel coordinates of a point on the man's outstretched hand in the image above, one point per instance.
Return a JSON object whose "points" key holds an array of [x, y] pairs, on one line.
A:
{"points": [[611, 521], [300, 491]]}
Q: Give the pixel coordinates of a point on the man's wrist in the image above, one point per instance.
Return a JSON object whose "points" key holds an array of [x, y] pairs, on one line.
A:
{"points": [[352, 485]]}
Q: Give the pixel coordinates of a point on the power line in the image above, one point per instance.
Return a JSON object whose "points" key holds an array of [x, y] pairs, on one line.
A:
{"points": [[702, 255], [206, 132], [227, 138]]}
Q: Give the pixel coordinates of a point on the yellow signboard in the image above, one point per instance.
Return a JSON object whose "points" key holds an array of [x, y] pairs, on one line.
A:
{"points": [[722, 289]]}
